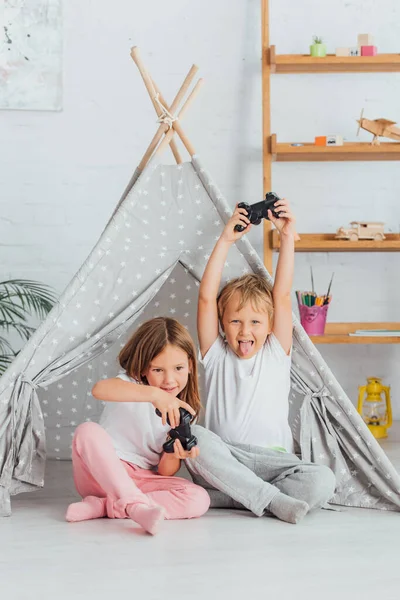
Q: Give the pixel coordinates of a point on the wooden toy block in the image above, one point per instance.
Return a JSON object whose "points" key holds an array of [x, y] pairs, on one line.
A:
{"points": [[334, 140], [342, 51], [365, 39], [320, 140], [355, 52], [369, 51]]}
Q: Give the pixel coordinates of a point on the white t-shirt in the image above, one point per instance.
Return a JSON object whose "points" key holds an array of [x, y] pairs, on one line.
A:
{"points": [[136, 431], [248, 399]]}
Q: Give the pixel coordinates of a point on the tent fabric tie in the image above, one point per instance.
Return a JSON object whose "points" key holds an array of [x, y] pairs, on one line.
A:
{"points": [[21, 379], [306, 434], [166, 117]]}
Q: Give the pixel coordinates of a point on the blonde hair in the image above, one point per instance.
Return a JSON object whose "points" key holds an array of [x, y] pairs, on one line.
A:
{"points": [[148, 341], [251, 288]]}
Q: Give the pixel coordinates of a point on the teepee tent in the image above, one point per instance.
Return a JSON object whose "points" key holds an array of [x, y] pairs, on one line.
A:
{"points": [[149, 261]]}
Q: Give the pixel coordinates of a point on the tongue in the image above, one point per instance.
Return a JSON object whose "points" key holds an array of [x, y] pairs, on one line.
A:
{"points": [[245, 347]]}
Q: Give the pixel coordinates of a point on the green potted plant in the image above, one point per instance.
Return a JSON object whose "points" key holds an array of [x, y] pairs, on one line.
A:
{"points": [[19, 300], [318, 48]]}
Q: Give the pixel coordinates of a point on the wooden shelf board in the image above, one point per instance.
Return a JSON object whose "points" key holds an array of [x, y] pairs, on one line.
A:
{"points": [[349, 151], [338, 333], [304, 63], [326, 242]]}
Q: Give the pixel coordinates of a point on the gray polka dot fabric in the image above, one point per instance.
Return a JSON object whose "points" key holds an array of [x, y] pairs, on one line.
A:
{"points": [[149, 261]]}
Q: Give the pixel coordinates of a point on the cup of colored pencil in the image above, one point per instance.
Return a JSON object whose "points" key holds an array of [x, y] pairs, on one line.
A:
{"points": [[313, 309]]}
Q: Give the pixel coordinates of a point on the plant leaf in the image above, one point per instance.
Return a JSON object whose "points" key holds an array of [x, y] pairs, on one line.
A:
{"points": [[19, 299], [24, 331], [5, 346], [5, 361], [9, 310], [33, 297]]}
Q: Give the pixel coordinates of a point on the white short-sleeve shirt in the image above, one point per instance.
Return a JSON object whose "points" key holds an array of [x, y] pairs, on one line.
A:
{"points": [[136, 431], [248, 399]]}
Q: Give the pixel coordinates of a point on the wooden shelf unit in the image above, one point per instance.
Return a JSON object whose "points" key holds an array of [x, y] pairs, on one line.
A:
{"points": [[327, 242], [304, 63], [272, 63], [338, 333], [308, 152]]}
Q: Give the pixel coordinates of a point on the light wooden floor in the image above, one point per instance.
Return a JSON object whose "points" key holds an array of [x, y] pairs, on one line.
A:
{"points": [[348, 555]]}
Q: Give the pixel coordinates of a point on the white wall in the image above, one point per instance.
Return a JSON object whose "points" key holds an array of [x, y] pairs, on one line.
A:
{"points": [[61, 173]]}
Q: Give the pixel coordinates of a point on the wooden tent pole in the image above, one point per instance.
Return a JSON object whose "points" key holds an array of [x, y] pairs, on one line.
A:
{"points": [[150, 88], [152, 146], [171, 109], [148, 83], [161, 130], [152, 91], [175, 152], [183, 137]]}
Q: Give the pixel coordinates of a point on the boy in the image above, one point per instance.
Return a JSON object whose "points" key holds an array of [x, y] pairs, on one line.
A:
{"points": [[246, 449]]}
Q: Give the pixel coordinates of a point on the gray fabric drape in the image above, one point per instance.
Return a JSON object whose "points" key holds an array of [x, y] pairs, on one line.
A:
{"points": [[149, 261]]}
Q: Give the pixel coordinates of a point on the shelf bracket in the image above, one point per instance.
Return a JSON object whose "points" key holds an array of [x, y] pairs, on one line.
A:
{"points": [[271, 59], [272, 146]]}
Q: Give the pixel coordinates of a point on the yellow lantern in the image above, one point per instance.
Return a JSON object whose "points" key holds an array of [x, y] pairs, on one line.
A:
{"points": [[375, 409]]}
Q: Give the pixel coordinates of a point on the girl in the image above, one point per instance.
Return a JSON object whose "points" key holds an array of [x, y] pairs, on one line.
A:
{"points": [[114, 462]]}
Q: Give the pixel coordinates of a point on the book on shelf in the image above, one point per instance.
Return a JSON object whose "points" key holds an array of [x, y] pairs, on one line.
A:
{"points": [[377, 332]]}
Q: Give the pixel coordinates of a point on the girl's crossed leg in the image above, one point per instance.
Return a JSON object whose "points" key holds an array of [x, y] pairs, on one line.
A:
{"points": [[117, 489]]}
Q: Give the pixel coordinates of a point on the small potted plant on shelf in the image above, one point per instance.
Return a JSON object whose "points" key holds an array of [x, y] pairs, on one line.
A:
{"points": [[318, 48]]}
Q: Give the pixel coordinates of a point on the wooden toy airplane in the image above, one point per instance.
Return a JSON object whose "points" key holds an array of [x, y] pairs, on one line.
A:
{"points": [[380, 128]]}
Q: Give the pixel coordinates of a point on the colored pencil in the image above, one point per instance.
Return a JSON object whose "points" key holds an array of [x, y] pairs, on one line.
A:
{"points": [[311, 298], [326, 301]]}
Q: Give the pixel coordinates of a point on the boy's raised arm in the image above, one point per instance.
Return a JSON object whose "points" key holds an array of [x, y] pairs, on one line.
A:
{"points": [[281, 292], [207, 313]]}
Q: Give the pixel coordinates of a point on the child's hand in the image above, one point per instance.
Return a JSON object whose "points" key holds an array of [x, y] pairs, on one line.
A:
{"points": [[182, 454], [169, 407], [286, 220], [239, 217]]}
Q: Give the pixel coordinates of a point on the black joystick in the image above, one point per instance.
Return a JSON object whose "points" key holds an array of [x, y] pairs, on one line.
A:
{"points": [[182, 432], [258, 211]]}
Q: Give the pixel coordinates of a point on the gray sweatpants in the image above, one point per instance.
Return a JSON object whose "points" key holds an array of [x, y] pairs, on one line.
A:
{"points": [[246, 476]]}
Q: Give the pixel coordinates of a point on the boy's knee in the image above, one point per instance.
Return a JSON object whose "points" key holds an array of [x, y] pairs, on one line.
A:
{"points": [[201, 434], [324, 485], [208, 441], [204, 444]]}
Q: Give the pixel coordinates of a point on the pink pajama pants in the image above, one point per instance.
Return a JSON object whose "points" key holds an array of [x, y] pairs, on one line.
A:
{"points": [[99, 472]]}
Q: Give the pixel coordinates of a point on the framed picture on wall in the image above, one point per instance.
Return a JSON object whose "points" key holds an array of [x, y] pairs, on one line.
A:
{"points": [[31, 54]]}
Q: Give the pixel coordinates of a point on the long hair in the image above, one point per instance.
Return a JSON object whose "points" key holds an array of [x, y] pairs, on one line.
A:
{"points": [[148, 341]]}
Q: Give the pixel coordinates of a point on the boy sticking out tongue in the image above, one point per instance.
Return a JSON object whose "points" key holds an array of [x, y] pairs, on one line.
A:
{"points": [[247, 448]]}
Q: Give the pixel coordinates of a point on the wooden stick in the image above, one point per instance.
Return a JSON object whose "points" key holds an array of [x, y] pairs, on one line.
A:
{"points": [[176, 125], [169, 135], [171, 110], [150, 150], [150, 88], [183, 137], [181, 92], [163, 127], [175, 152]]}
